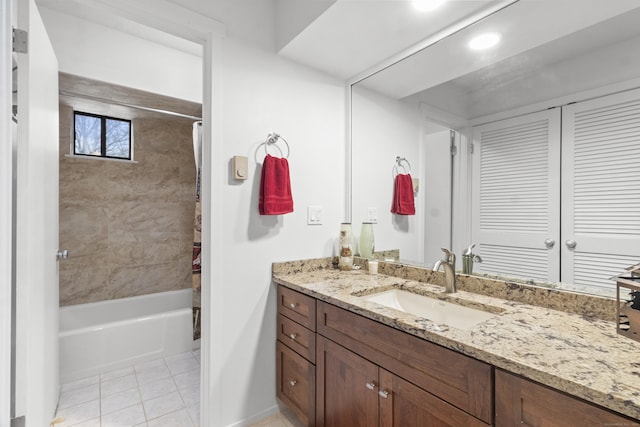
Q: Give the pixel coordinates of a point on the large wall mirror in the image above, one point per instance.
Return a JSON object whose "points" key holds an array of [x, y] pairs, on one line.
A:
{"points": [[529, 149]]}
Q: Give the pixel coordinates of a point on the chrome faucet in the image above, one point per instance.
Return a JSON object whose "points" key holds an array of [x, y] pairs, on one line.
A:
{"points": [[448, 262]]}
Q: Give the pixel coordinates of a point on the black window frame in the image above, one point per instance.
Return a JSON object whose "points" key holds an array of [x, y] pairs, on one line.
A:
{"points": [[103, 136]]}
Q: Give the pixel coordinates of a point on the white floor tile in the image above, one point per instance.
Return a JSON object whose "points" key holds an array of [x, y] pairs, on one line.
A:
{"points": [[127, 417], [79, 413], [194, 413], [187, 379], [79, 395], [157, 388], [118, 384], [117, 401], [191, 395], [174, 419], [73, 385], [94, 422], [162, 405], [181, 363], [116, 374], [162, 392], [153, 373]]}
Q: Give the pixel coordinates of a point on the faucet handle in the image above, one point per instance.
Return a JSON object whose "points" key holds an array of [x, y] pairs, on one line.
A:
{"points": [[448, 255], [469, 249]]}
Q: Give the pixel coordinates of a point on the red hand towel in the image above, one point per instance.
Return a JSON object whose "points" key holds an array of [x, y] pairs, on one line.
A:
{"points": [[275, 187], [403, 203]]}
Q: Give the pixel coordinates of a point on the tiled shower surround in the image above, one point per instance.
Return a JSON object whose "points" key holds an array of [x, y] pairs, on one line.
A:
{"points": [[128, 226]]}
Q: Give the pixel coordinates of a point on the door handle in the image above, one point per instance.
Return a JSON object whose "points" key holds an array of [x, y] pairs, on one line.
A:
{"points": [[571, 243], [62, 254], [549, 243]]}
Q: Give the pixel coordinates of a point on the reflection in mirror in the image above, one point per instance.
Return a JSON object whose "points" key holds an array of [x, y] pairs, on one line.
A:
{"points": [[546, 136], [384, 129]]}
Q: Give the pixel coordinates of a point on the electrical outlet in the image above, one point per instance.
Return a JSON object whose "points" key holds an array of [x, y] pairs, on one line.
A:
{"points": [[314, 215]]}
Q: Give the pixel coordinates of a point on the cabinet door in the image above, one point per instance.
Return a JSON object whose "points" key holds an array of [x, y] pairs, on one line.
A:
{"points": [[295, 382], [600, 188], [520, 402], [347, 387], [403, 404], [516, 196]]}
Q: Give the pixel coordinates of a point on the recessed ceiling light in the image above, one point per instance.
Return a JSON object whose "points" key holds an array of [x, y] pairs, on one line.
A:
{"points": [[484, 41], [427, 5]]}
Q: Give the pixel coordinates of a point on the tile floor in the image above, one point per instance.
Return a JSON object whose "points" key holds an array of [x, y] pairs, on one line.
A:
{"points": [[163, 392], [159, 393]]}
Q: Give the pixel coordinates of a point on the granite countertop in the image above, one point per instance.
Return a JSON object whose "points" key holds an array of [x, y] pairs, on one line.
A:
{"points": [[573, 352]]}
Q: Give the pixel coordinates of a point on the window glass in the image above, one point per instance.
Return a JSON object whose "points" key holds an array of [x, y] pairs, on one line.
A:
{"points": [[117, 138], [87, 135], [101, 136]]}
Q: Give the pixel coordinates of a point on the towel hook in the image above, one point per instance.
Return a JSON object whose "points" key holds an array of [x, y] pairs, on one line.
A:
{"points": [[400, 164]]}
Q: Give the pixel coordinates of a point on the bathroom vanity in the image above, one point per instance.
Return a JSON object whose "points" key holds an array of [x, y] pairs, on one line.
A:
{"points": [[345, 359]]}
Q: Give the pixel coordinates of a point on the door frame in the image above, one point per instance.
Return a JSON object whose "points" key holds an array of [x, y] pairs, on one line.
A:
{"points": [[6, 207]]}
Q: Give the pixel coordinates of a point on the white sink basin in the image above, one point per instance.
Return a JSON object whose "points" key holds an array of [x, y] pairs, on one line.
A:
{"points": [[440, 312]]}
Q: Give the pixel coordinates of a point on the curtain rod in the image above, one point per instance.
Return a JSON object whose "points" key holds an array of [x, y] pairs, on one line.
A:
{"points": [[126, 104]]}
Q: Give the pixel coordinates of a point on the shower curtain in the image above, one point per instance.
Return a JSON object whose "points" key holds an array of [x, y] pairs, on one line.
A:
{"points": [[197, 229]]}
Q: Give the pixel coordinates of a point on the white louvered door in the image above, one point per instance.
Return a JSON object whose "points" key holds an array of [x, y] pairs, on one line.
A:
{"points": [[601, 189], [516, 196]]}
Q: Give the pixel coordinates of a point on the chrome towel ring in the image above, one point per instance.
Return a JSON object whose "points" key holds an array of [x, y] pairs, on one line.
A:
{"points": [[272, 139], [403, 163]]}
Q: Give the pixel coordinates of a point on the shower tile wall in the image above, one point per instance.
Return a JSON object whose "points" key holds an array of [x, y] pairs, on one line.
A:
{"points": [[128, 226]]}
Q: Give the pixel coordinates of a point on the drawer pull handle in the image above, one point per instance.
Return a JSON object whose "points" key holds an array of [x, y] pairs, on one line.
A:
{"points": [[383, 393], [293, 336], [293, 304], [293, 382], [371, 386]]}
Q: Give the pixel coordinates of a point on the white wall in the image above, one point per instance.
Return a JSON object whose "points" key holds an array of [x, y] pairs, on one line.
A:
{"points": [[262, 93], [90, 50], [382, 129]]}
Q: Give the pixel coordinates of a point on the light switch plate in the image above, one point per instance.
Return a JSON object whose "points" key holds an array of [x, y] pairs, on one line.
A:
{"points": [[240, 167], [314, 215], [372, 215]]}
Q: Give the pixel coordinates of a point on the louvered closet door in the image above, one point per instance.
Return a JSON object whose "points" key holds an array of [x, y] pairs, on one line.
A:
{"points": [[601, 189], [516, 196]]}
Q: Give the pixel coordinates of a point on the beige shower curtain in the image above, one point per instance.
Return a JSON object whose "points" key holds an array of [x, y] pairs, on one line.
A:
{"points": [[197, 229]]}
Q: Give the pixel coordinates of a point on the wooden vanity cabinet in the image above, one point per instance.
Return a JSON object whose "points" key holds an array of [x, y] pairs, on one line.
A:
{"points": [[369, 371], [354, 392], [521, 402], [296, 353]]}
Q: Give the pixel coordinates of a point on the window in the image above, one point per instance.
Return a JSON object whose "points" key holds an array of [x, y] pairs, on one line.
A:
{"points": [[101, 136]]}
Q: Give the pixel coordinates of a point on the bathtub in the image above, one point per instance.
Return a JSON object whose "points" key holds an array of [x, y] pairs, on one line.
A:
{"points": [[109, 335]]}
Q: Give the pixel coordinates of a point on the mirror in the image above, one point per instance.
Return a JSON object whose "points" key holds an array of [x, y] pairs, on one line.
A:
{"points": [[432, 99]]}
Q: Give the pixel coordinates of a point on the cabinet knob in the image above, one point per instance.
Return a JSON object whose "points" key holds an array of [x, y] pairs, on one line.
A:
{"points": [[571, 244], [383, 393], [293, 336], [293, 305], [371, 385], [293, 382]]}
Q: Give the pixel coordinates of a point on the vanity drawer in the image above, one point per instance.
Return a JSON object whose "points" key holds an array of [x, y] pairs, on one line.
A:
{"points": [[460, 380], [296, 383], [297, 307], [297, 337]]}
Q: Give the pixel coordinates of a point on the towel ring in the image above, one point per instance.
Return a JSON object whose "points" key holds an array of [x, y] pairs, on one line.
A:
{"points": [[272, 139], [400, 164]]}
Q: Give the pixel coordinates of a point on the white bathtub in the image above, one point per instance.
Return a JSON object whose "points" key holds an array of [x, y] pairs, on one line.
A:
{"points": [[108, 335]]}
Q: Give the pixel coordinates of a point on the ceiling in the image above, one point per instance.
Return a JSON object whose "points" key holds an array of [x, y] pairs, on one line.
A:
{"points": [[340, 37]]}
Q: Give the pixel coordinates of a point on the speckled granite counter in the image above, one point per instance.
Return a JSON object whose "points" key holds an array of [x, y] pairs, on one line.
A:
{"points": [[578, 353]]}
